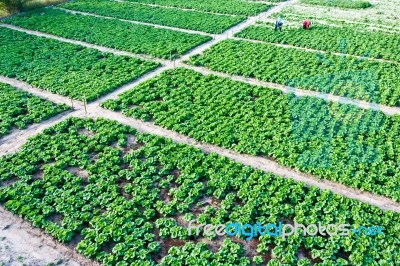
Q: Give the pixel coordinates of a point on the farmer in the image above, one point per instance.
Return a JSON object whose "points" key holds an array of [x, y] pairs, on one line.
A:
{"points": [[278, 24], [306, 24]]}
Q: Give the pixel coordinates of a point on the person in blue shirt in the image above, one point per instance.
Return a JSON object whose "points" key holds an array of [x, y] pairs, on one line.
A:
{"points": [[278, 24]]}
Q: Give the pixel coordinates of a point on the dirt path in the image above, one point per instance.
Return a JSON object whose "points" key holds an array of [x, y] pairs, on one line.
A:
{"points": [[136, 22], [58, 99], [114, 94], [232, 31], [14, 141], [23, 244]]}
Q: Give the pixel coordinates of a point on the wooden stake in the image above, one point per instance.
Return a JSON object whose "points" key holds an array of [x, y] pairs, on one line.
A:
{"points": [[84, 104]]}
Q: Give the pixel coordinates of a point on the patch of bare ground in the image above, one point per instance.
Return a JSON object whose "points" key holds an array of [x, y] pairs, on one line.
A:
{"points": [[121, 184], [250, 248], [79, 172], [131, 144], [343, 254], [215, 244], [94, 157], [165, 245], [176, 173], [108, 247], [305, 253], [86, 132], [76, 239], [165, 196], [38, 175], [34, 245], [203, 203], [9, 182], [55, 218], [181, 220]]}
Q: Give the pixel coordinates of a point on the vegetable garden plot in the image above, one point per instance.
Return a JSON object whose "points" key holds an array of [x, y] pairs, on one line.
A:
{"points": [[192, 20], [234, 7], [367, 80], [66, 69], [333, 39], [139, 39], [126, 198], [342, 143], [355, 4], [19, 109]]}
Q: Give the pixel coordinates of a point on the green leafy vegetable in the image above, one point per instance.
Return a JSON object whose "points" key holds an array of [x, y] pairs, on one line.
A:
{"points": [[66, 69], [98, 184], [139, 39], [340, 75], [185, 19], [342, 143], [20, 109]]}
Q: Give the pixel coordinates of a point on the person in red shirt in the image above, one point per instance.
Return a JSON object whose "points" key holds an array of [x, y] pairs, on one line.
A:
{"points": [[306, 24]]}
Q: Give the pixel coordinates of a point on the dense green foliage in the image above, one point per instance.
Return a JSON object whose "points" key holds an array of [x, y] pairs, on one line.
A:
{"points": [[192, 20], [334, 39], [355, 4], [234, 7], [20, 109], [342, 143], [340, 75], [139, 39], [66, 69], [12, 6], [126, 198]]}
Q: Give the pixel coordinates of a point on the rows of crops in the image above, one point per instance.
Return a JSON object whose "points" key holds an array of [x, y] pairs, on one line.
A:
{"points": [[355, 4], [234, 7], [340, 75], [328, 38], [126, 198], [339, 142], [19, 109], [65, 69], [192, 20], [139, 39]]}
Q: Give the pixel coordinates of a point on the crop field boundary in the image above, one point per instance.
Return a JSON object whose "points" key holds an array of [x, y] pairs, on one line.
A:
{"points": [[257, 162], [12, 142], [167, 64], [235, 29], [388, 110], [44, 94], [289, 46], [84, 44], [136, 22], [174, 7], [15, 141]]}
